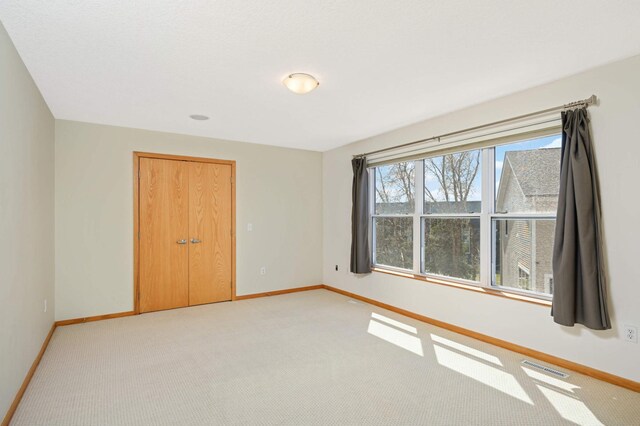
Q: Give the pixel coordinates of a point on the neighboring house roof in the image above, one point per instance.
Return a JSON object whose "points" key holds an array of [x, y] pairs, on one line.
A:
{"points": [[541, 179]]}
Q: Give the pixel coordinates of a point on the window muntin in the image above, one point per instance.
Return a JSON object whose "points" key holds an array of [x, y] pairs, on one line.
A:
{"points": [[446, 200]]}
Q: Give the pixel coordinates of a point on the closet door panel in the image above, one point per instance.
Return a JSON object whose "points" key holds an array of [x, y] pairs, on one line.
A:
{"points": [[209, 233], [163, 224]]}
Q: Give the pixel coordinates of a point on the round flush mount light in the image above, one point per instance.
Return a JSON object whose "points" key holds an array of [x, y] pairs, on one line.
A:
{"points": [[300, 82], [199, 117]]}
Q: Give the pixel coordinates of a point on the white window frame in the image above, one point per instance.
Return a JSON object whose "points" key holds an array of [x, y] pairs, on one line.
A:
{"points": [[488, 218]]}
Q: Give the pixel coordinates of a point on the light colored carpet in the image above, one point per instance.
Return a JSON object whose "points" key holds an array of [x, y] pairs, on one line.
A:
{"points": [[306, 358]]}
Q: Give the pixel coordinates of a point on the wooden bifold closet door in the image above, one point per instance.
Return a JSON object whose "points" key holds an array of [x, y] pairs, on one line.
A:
{"points": [[185, 233]]}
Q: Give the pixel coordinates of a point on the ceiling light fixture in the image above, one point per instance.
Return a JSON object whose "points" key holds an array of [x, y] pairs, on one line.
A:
{"points": [[199, 117], [300, 83]]}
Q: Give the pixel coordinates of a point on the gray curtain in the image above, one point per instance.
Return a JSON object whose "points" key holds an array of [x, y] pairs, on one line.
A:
{"points": [[579, 287], [360, 256]]}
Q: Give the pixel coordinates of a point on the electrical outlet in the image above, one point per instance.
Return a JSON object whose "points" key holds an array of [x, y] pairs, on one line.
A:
{"points": [[631, 334], [263, 270], [249, 227], [45, 305]]}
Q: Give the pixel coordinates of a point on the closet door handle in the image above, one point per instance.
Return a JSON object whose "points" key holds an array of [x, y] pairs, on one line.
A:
{"points": [[195, 241], [181, 241]]}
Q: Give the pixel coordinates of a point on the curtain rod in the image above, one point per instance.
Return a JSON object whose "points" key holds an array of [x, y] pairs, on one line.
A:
{"points": [[584, 102]]}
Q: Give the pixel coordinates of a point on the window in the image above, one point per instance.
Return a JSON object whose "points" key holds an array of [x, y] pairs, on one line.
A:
{"points": [[451, 215], [526, 199], [483, 216], [548, 283], [392, 220], [451, 247], [528, 247], [523, 277]]}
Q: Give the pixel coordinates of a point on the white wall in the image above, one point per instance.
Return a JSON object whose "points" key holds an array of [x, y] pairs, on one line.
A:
{"points": [[616, 130], [26, 221], [278, 190]]}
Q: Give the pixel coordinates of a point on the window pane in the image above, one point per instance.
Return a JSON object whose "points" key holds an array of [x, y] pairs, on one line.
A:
{"points": [[452, 183], [528, 176], [395, 188], [394, 241], [452, 247], [522, 254]]}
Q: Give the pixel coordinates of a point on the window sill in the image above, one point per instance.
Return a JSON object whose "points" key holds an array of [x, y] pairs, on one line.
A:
{"points": [[477, 289]]}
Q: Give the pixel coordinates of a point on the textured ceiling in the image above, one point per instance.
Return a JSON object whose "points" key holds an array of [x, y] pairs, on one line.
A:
{"points": [[381, 64]]}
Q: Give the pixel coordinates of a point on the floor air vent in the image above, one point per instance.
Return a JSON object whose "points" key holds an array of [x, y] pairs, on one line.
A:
{"points": [[545, 369]]}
